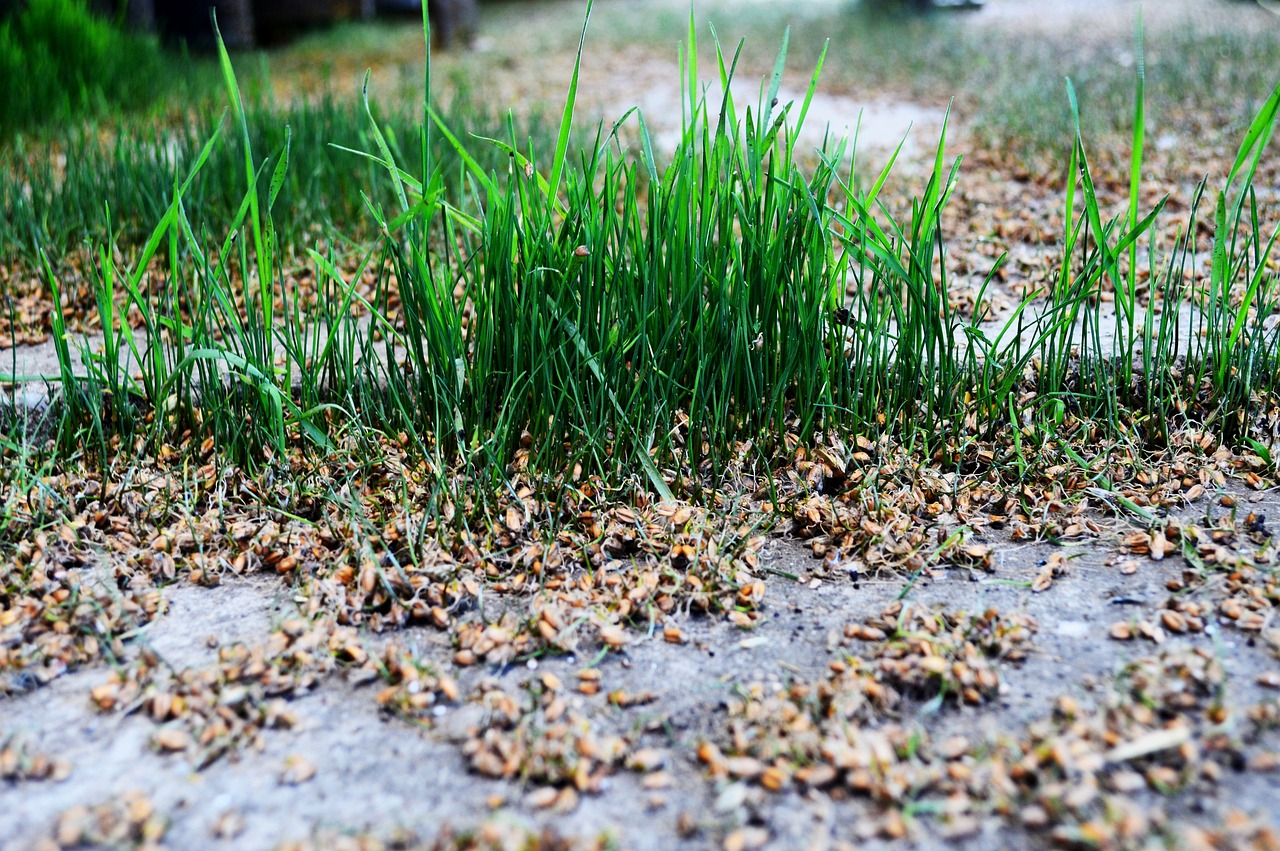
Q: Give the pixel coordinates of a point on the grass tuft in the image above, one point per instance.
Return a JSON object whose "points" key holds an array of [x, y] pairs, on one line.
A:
{"points": [[561, 306]]}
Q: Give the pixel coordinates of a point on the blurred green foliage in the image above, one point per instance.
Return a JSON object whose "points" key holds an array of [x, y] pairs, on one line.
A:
{"points": [[59, 62]]}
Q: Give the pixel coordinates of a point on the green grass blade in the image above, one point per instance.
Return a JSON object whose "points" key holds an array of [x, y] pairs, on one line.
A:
{"points": [[282, 168], [1255, 140], [238, 115], [477, 171], [813, 86], [566, 118], [384, 149], [1139, 128], [775, 80]]}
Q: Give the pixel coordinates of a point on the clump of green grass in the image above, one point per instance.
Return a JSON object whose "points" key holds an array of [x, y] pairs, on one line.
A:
{"points": [[96, 190], [580, 309], [27, 499], [1158, 372], [58, 62]]}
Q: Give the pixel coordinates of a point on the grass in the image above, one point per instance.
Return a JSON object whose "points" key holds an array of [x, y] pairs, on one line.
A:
{"points": [[100, 190], [1202, 77], [1223, 74], [59, 62], [25, 473], [579, 310]]}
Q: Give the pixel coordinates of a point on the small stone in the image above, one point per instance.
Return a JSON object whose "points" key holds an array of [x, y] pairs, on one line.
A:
{"points": [[954, 747], [733, 796], [744, 766], [961, 827], [646, 759], [656, 780], [297, 770], [567, 800], [229, 825], [1121, 631], [746, 839], [542, 798], [893, 826], [1127, 782], [173, 739], [614, 636], [816, 775], [773, 778]]}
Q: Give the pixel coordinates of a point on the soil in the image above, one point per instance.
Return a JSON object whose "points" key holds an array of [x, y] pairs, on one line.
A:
{"points": [[375, 773]]}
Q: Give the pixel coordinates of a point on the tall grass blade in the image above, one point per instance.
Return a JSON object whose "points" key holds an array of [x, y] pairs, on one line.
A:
{"points": [[566, 119]]}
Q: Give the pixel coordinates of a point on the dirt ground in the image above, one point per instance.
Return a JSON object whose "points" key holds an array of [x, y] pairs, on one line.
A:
{"points": [[378, 774], [1110, 684]]}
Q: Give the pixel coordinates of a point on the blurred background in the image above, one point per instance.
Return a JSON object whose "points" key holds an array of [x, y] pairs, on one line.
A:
{"points": [[64, 60], [105, 101]]}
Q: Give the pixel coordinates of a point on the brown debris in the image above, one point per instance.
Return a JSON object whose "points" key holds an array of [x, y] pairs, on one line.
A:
{"points": [[19, 762], [541, 739], [129, 820]]}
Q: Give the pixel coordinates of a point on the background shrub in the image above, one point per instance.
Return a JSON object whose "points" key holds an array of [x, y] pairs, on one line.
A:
{"points": [[59, 61]]}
